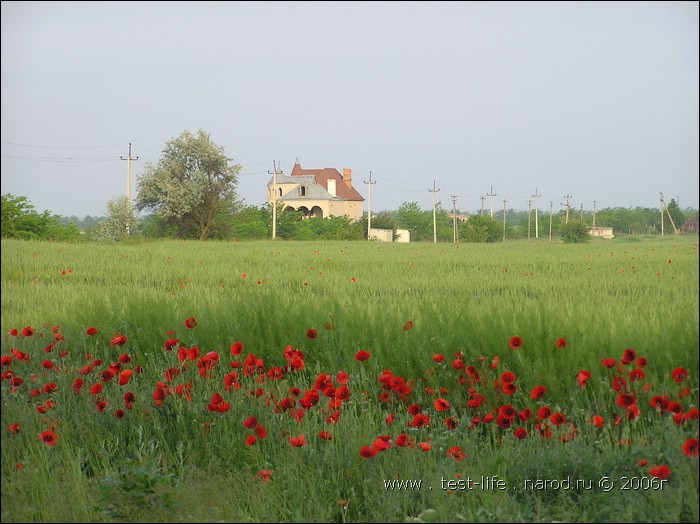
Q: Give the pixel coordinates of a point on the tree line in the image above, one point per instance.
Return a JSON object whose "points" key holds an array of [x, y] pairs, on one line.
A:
{"points": [[190, 193]]}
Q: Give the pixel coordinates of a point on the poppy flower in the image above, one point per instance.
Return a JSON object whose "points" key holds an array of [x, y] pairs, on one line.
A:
{"points": [[325, 435], [456, 453], [260, 431], [629, 356], [191, 323], [91, 331], [525, 415], [660, 472], [544, 412], [250, 422], [14, 428], [609, 362], [509, 388], [508, 376], [311, 333], [125, 376], [538, 392], [408, 325], [49, 437], [690, 447], [583, 377], [597, 421], [118, 340], [520, 433], [561, 343], [557, 419], [441, 404], [297, 442], [367, 452], [362, 355], [438, 358], [265, 474], [251, 440], [679, 375], [118, 414], [425, 446], [28, 331], [515, 342]]}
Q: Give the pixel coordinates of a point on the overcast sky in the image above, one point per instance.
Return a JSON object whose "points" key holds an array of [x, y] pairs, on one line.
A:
{"points": [[595, 100]]}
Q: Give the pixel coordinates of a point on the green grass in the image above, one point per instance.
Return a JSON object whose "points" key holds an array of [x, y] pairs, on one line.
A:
{"points": [[181, 462]]}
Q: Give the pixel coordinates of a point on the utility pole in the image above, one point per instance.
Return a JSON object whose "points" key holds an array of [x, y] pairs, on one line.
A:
{"points": [[491, 194], [274, 174], [433, 191], [551, 206], [504, 220], [482, 205], [454, 218], [537, 227], [664, 206], [594, 214], [567, 207], [581, 212], [529, 203], [369, 204], [661, 204], [128, 181]]}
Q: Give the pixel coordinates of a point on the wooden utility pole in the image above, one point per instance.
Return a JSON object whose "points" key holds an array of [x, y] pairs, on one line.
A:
{"points": [[661, 207], [567, 207], [128, 159], [504, 220], [537, 227], [529, 204], [664, 206], [482, 205], [433, 191], [491, 194], [454, 218], [582, 212], [369, 204], [551, 206], [274, 174]]}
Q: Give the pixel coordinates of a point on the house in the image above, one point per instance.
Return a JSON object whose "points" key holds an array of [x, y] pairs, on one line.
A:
{"points": [[317, 192]]}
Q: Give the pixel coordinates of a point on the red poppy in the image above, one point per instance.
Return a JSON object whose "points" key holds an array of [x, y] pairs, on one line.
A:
{"points": [[325, 435], [404, 441], [125, 376], [311, 333], [583, 377], [119, 414], [508, 376], [191, 323], [690, 447], [14, 428], [28, 331], [642, 462], [362, 355], [597, 421], [456, 453], [509, 388], [561, 343], [609, 362], [625, 401], [408, 325], [538, 392], [629, 356], [525, 415], [520, 433], [441, 404], [679, 375], [660, 472], [118, 340], [367, 452], [260, 431], [515, 342], [250, 422], [265, 474], [251, 440], [14, 332], [297, 442], [438, 358], [91, 331], [557, 419], [425, 446], [236, 349], [49, 437], [544, 412]]}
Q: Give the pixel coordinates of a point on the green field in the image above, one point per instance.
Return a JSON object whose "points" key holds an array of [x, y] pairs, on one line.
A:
{"points": [[449, 452]]}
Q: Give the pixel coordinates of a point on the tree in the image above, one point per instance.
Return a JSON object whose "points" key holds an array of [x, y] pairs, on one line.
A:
{"points": [[481, 229], [575, 232], [120, 222], [193, 186], [676, 214], [20, 220]]}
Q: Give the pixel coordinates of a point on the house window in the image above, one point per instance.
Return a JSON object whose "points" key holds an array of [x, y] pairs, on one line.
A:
{"points": [[302, 189], [280, 191]]}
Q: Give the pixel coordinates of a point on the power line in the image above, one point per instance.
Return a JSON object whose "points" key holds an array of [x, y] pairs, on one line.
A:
{"points": [[60, 147]]}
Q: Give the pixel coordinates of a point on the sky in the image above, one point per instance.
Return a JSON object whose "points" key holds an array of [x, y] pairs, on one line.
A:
{"points": [[534, 103]]}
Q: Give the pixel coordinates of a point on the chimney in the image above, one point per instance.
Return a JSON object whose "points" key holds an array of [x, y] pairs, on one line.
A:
{"points": [[347, 176], [331, 186]]}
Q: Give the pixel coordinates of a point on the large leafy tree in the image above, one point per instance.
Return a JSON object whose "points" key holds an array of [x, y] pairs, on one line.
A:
{"points": [[20, 220], [193, 186]]}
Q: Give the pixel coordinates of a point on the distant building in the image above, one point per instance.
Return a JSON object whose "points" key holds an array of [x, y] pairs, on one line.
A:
{"points": [[602, 232], [317, 192]]}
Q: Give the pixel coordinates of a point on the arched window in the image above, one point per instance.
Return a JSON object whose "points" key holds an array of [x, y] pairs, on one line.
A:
{"points": [[280, 191], [302, 190]]}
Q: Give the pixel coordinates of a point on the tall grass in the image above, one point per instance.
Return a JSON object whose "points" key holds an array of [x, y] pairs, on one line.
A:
{"points": [[403, 303]]}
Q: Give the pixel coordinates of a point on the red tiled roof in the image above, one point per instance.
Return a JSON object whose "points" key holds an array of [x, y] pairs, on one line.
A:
{"points": [[323, 175]]}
